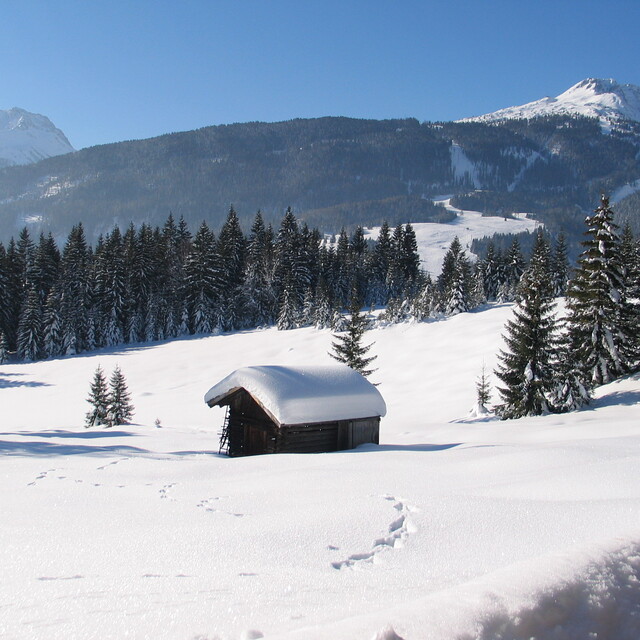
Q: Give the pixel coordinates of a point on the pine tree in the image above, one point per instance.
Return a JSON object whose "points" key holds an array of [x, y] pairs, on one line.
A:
{"points": [[483, 391], [231, 250], [348, 348], [396, 279], [380, 260], [572, 384], [453, 283], [290, 307], [99, 400], [258, 282], [630, 263], [30, 328], [74, 291], [323, 313], [526, 368], [4, 349], [602, 324], [202, 282], [560, 266], [120, 409], [513, 268], [492, 267], [53, 338], [424, 303]]}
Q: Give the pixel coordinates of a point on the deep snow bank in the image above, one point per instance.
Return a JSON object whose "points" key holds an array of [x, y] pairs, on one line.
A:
{"points": [[591, 592]]}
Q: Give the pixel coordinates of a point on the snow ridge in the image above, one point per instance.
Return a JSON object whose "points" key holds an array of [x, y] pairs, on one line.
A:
{"points": [[604, 99], [29, 137]]}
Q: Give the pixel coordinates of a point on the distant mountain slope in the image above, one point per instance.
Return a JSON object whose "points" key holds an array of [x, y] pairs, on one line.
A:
{"points": [[331, 171], [29, 137], [606, 100]]}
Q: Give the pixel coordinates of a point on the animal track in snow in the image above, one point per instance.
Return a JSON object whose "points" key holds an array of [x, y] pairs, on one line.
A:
{"points": [[398, 531], [42, 476], [110, 464], [207, 505], [164, 492]]}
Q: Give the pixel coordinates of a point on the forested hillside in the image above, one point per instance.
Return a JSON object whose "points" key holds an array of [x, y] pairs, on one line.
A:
{"points": [[331, 171]]}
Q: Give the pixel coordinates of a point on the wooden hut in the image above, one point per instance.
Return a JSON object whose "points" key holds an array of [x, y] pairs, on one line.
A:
{"points": [[312, 409]]}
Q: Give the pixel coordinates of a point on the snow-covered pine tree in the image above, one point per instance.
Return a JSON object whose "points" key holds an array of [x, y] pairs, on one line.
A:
{"points": [[348, 348], [30, 328], [572, 386], [342, 270], [380, 260], [4, 349], [601, 323], [231, 249], [120, 409], [46, 264], [12, 294], [477, 293], [491, 270], [290, 309], [202, 282], [53, 341], [630, 262], [513, 268], [453, 283], [396, 279], [323, 312], [410, 259], [560, 265], [258, 289], [99, 400], [483, 395], [423, 305], [74, 291], [525, 367]]}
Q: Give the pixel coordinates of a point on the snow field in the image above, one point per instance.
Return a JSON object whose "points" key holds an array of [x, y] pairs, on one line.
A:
{"points": [[468, 529], [433, 239]]}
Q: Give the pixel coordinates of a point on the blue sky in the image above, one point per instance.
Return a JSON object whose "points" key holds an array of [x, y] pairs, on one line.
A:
{"points": [[111, 71]]}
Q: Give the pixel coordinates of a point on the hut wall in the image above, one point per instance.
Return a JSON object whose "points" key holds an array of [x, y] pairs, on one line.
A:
{"points": [[251, 431]]}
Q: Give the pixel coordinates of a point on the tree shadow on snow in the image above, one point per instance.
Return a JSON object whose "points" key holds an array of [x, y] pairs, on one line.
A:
{"points": [[38, 448], [5, 383], [60, 433], [617, 398]]}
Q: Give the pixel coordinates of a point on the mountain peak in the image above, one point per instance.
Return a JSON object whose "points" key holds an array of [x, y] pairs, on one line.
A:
{"points": [[600, 98], [27, 137]]}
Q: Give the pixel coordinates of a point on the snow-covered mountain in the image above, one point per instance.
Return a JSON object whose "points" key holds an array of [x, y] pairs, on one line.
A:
{"points": [[28, 137], [606, 100]]}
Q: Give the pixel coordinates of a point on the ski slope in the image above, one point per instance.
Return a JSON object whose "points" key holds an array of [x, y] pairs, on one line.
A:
{"points": [[450, 528], [434, 238]]}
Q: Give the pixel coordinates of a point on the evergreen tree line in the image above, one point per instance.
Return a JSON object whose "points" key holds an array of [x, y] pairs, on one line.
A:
{"points": [[552, 364], [152, 284]]}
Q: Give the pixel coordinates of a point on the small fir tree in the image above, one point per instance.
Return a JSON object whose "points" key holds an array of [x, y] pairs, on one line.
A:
{"points": [[483, 390], [120, 408], [348, 348], [99, 400]]}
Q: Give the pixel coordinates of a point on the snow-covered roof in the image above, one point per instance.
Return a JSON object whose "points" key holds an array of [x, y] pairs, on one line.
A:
{"points": [[300, 395]]}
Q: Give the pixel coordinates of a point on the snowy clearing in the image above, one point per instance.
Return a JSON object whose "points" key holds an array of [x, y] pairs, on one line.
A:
{"points": [[465, 529], [434, 238]]}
